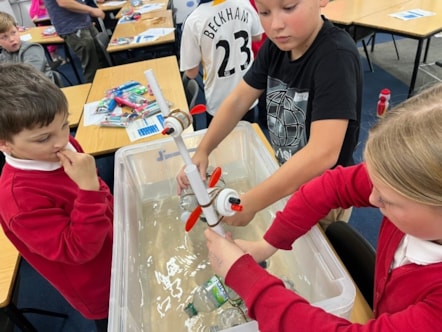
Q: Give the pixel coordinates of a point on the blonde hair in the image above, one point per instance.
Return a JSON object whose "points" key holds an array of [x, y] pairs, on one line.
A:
{"points": [[404, 149], [6, 22]]}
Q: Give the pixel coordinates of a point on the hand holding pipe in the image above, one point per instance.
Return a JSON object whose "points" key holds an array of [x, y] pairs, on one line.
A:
{"points": [[190, 169]]}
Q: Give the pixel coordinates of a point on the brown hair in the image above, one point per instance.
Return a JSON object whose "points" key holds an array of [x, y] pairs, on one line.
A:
{"points": [[28, 99], [6, 22]]}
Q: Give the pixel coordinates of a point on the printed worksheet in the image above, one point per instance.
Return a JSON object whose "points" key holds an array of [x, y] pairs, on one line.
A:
{"points": [[152, 34], [412, 14], [145, 127]]}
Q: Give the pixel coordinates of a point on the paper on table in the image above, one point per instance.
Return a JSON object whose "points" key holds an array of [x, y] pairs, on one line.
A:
{"points": [[26, 37], [126, 19], [412, 14], [152, 34], [90, 117], [113, 3], [145, 127], [149, 8]]}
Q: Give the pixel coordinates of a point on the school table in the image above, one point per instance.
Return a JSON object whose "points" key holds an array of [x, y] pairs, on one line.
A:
{"points": [[36, 35], [344, 12], [157, 19], [9, 260], [43, 20], [112, 5], [98, 140], [76, 96], [166, 4], [420, 29]]}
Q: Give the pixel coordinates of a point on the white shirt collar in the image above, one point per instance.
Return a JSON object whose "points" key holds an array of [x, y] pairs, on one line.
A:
{"points": [[417, 251], [37, 165]]}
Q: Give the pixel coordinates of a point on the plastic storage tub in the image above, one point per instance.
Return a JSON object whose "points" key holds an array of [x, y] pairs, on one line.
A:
{"points": [[156, 264]]}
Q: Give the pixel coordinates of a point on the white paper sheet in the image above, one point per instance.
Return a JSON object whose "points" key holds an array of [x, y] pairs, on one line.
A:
{"points": [[113, 3], [149, 126], [152, 34], [412, 14]]}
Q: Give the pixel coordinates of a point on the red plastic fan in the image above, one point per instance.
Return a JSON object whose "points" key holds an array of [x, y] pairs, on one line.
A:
{"points": [[193, 218], [198, 109]]}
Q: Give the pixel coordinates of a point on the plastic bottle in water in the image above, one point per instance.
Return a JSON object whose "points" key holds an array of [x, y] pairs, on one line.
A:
{"points": [[210, 296], [231, 317]]}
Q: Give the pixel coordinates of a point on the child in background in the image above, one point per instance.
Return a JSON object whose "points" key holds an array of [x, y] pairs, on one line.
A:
{"points": [[311, 73], [256, 45], [402, 176], [54, 208], [16, 50], [37, 11], [218, 35]]}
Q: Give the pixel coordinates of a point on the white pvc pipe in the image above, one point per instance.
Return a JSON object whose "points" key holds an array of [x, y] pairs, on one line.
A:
{"points": [[190, 170], [152, 81], [203, 197]]}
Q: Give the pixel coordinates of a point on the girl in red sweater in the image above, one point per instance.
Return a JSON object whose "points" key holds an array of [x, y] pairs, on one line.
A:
{"points": [[402, 176]]}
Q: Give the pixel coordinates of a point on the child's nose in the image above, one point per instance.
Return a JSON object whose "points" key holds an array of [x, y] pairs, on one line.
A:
{"points": [[277, 22]]}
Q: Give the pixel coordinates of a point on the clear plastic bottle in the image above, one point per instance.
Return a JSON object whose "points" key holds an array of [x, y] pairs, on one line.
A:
{"points": [[231, 317], [210, 296]]}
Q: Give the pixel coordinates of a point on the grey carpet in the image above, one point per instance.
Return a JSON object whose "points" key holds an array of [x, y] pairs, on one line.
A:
{"points": [[429, 73]]}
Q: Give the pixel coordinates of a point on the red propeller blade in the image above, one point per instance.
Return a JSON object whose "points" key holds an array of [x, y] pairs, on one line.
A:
{"points": [[197, 109], [193, 218], [215, 176]]}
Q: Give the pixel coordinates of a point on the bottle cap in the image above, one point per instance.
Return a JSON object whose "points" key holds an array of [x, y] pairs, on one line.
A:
{"points": [[190, 310]]}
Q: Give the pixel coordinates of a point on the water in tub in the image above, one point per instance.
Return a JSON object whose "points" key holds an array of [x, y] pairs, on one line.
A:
{"points": [[174, 263]]}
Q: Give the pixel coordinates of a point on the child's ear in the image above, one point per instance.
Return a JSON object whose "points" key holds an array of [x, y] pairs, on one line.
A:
{"points": [[4, 146]]}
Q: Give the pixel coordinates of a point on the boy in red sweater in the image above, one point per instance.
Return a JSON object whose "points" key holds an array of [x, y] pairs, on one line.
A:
{"points": [[55, 209], [402, 176]]}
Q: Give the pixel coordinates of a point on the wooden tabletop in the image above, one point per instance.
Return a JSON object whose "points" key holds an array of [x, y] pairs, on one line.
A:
{"points": [[76, 96], [98, 140], [38, 36], [9, 261], [44, 20], [346, 11], [158, 19], [165, 5], [361, 311], [422, 27], [104, 6]]}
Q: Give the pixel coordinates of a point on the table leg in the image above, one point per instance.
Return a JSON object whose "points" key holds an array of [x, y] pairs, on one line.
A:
{"points": [[427, 48], [416, 67], [67, 51], [18, 318]]}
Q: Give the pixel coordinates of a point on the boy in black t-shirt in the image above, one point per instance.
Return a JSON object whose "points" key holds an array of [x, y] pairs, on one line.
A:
{"points": [[312, 76]]}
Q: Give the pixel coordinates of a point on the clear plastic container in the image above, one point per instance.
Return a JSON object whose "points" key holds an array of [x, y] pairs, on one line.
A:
{"points": [[156, 264]]}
